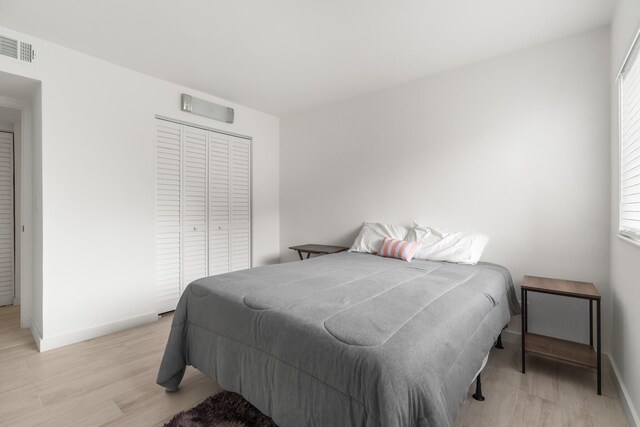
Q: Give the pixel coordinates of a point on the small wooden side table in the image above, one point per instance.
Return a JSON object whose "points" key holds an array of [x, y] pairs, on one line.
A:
{"points": [[568, 351], [317, 249]]}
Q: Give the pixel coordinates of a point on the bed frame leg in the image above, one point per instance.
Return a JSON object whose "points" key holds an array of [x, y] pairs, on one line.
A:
{"points": [[499, 345], [478, 394]]}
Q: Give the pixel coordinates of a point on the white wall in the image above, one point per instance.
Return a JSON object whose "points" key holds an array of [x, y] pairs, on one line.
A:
{"points": [[17, 138], [514, 147], [98, 188], [625, 257], [37, 282]]}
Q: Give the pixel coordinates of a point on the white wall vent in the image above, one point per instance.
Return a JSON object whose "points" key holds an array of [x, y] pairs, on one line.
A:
{"points": [[9, 47], [26, 52], [15, 49]]}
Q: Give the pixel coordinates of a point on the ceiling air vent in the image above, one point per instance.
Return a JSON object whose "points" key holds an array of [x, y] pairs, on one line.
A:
{"points": [[9, 47]]}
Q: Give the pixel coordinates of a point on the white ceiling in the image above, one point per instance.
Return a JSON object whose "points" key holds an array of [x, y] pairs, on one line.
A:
{"points": [[281, 56]]}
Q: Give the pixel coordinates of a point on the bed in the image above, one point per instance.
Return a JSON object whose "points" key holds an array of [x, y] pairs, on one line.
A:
{"points": [[345, 339]]}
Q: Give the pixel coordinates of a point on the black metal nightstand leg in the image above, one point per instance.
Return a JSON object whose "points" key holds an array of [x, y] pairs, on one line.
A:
{"points": [[523, 320], [599, 353]]}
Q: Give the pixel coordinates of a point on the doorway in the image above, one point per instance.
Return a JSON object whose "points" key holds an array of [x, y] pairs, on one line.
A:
{"points": [[20, 119]]}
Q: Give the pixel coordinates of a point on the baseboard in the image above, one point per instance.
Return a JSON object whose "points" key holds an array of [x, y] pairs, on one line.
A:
{"points": [[37, 336], [49, 343], [625, 399]]}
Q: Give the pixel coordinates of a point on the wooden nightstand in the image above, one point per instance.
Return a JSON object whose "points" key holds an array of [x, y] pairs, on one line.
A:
{"points": [[568, 351], [317, 249]]}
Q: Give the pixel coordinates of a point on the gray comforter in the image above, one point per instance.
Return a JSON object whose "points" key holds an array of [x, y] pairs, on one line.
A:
{"points": [[343, 340]]}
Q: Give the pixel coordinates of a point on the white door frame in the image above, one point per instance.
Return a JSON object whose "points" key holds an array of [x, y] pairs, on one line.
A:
{"points": [[26, 207]]}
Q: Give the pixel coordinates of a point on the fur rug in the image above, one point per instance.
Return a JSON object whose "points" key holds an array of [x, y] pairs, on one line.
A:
{"points": [[223, 409]]}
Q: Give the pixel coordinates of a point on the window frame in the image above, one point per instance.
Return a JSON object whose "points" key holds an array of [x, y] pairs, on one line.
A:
{"points": [[632, 58]]}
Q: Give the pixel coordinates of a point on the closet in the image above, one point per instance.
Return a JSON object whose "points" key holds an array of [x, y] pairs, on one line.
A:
{"points": [[6, 219], [203, 207]]}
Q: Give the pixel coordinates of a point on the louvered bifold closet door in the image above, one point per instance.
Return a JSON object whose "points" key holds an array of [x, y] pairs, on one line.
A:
{"points": [[168, 215], [194, 247], [240, 196], [203, 207], [219, 203], [6, 219]]}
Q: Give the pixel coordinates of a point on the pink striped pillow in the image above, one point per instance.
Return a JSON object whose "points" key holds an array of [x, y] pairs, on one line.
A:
{"points": [[401, 249]]}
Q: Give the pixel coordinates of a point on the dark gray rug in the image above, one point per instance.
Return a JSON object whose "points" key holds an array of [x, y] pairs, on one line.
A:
{"points": [[223, 409]]}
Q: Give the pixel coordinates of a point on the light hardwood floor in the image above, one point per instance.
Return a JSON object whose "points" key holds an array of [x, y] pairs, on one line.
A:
{"points": [[551, 393], [111, 381]]}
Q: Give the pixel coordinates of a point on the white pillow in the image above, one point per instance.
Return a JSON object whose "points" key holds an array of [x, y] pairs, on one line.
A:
{"points": [[371, 234], [450, 246]]}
